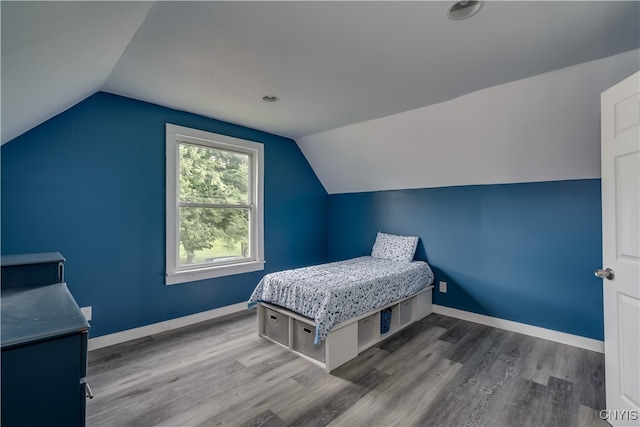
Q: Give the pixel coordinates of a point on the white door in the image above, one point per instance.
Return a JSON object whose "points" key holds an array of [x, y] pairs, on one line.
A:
{"points": [[620, 111]]}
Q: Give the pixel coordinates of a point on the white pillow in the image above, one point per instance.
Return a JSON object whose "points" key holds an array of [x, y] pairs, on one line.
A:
{"points": [[396, 248]]}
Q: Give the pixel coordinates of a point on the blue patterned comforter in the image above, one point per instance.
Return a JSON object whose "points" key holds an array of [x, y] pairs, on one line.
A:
{"points": [[338, 291]]}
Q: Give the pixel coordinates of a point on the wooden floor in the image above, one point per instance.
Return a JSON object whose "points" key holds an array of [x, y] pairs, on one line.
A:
{"points": [[438, 372]]}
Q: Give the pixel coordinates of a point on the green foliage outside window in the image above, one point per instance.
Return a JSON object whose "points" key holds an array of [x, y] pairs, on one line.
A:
{"points": [[214, 198]]}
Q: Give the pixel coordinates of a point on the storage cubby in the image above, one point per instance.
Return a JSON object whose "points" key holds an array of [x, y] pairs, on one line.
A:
{"points": [[347, 339], [394, 324]]}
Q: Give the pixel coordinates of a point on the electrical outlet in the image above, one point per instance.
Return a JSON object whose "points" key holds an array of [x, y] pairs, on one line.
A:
{"points": [[443, 287], [87, 312]]}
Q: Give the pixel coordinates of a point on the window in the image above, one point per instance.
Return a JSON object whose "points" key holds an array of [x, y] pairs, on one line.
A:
{"points": [[214, 205]]}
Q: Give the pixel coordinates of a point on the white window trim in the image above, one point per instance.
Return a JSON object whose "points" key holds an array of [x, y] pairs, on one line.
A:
{"points": [[174, 275]]}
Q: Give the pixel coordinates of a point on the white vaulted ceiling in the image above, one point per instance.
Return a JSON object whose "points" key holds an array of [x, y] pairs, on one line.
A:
{"points": [[378, 95], [55, 54], [336, 63], [542, 128], [333, 64]]}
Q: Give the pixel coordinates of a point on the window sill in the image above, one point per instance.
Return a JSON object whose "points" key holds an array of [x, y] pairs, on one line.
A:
{"points": [[213, 272]]}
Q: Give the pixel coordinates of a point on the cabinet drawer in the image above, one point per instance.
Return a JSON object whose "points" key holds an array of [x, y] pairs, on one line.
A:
{"points": [[304, 335], [276, 326]]}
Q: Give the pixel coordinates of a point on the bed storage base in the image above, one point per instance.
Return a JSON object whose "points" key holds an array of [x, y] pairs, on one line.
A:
{"points": [[347, 339]]}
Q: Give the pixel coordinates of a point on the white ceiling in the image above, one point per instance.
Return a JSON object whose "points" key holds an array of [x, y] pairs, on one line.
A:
{"points": [[55, 54], [331, 63]]}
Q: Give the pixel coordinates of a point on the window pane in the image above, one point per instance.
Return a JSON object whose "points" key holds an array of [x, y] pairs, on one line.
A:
{"points": [[211, 175], [213, 235]]}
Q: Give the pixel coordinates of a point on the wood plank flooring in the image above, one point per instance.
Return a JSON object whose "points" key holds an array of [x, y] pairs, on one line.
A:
{"points": [[438, 372]]}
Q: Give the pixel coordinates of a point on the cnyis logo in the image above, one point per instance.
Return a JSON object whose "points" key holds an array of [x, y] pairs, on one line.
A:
{"points": [[611, 414]]}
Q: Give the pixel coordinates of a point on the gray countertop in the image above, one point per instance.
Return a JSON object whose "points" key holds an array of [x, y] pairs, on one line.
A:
{"points": [[37, 313]]}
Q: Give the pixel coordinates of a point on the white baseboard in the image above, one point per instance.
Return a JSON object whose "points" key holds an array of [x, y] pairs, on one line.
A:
{"points": [[167, 325], [522, 328]]}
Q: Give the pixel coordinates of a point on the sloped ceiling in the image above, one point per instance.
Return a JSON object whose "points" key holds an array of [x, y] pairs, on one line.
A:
{"points": [[55, 54], [542, 128], [331, 63]]}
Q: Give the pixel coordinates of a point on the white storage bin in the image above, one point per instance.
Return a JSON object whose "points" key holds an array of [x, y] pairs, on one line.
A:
{"points": [[406, 308], [366, 330], [276, 326], [303, 337]]}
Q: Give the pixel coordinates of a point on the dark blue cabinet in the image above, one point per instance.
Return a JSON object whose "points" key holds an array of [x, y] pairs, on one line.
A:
{"points": [[44, 357]]}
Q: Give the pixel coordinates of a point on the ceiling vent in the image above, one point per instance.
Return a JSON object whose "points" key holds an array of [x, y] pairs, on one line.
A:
{"points": [[463, 9]]}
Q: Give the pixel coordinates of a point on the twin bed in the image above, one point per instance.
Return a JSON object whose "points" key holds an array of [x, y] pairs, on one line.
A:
{"points": [[329, 313]]}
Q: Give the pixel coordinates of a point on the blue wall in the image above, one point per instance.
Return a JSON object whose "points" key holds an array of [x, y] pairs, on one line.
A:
{"points": [[89, 183], [522, 252]]}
